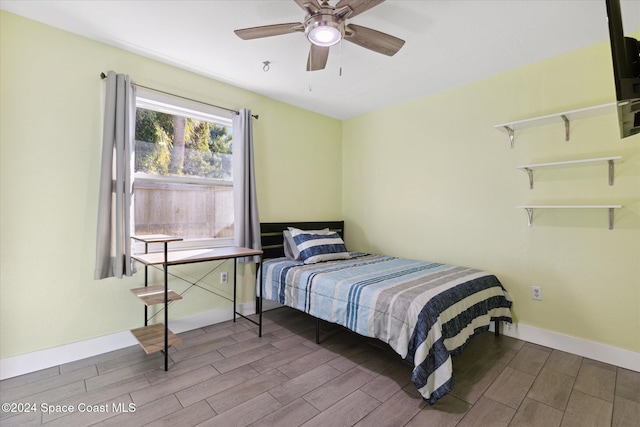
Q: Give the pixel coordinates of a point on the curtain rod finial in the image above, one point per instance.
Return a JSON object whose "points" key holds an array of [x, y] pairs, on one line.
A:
{"points": [[103, 76]]}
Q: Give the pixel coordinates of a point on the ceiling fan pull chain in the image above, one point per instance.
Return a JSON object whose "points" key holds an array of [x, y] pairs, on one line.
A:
{"points": [[340, 56]]}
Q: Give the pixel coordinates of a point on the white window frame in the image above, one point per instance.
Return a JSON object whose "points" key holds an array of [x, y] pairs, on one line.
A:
{"points": [[191, 109]]}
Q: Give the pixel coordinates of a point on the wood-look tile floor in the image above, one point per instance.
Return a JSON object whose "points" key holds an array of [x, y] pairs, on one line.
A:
{"points": [[224, 375]]}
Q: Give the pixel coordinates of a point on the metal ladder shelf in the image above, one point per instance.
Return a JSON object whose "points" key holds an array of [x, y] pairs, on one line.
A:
{"points": [[156, 337]]}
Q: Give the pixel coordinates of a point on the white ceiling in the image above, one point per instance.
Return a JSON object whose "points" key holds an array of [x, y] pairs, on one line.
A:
{"points": [[448, 43]]}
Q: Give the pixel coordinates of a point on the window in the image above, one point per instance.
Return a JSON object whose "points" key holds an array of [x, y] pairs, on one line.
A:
{"points": [[183, 179]]}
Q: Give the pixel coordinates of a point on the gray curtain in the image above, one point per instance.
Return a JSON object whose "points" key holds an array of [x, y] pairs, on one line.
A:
{"points": [[247, 221], [115, 204]]}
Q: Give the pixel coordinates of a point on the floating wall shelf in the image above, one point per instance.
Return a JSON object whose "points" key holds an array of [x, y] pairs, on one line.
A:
{"points": [[565, 117], [530, 208], [569, 163]]}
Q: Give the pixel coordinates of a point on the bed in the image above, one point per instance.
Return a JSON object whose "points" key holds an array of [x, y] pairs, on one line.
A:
{"points": [[426, 311]]}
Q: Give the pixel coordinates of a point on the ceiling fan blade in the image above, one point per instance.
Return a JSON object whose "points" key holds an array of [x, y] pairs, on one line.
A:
{"points": [[373, 40], [309, 6], [269, 30], [358, 6], [318, 56]]}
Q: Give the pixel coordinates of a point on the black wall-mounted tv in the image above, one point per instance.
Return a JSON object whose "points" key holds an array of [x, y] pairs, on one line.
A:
{"points": [[625, 52]]}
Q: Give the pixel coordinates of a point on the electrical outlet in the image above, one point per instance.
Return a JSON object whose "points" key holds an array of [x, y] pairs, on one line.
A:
{"points": [[536, 293], [224, 278]]}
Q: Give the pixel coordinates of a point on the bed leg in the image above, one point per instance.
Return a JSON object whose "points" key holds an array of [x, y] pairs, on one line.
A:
{"points": [[260, 318], [496, 331], [317, 330]]}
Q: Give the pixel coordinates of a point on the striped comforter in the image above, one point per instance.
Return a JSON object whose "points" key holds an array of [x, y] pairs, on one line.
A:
{"points": [[425, 311]]}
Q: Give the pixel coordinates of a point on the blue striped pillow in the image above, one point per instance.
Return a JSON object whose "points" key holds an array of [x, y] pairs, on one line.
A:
{"points": [[320, 247], [290, 249]]}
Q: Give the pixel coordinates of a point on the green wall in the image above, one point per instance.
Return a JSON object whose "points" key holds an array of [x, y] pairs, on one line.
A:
{"points": [[50, 133], [432, 179]]}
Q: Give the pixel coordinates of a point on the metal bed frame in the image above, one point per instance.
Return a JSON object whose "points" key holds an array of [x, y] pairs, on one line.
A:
{"points": [[273, 247]]}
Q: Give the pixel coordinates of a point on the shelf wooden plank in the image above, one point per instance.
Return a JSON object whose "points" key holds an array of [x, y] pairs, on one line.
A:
{"points": [[195, 255], [580, 113], [152, 295], [568, 163], [611, 161], [563, 117], [569, 207], [151, 337], [530, 208]]}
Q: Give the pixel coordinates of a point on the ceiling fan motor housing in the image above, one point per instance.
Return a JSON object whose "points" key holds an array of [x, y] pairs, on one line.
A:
{"points": [[324, 29]]}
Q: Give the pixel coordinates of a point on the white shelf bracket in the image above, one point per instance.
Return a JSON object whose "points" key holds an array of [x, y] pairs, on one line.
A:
{"points": [[611, 171], [510, 133], [566, 127], [530, 173]]}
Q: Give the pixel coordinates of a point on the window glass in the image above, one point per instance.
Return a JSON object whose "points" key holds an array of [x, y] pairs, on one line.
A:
{"points": [[183, 182]]}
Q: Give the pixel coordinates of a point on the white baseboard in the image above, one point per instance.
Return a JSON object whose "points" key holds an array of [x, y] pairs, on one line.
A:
{"points": [[593, 350], [43, 359]]}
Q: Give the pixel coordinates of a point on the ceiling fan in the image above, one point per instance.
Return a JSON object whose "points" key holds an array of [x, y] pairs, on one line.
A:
{"points": [[325, 26]]}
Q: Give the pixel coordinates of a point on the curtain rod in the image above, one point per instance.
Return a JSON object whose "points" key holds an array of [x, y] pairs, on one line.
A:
{"points": [[255, 116]]}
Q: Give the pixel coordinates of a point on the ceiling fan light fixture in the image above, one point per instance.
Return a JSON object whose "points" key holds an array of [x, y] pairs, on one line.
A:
{"points": [[324, 30], [324, 36]]}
